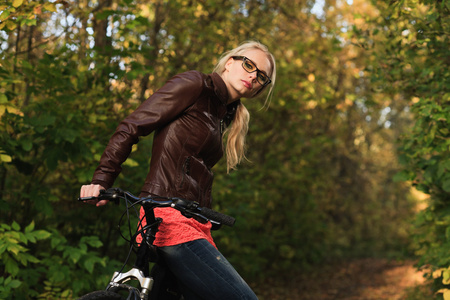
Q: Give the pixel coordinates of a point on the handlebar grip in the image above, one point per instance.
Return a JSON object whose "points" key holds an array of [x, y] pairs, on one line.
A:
{"points": [[87, 198], [217, 216]]}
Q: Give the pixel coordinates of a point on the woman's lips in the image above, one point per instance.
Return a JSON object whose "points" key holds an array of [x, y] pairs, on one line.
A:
{"points": [[247, 84]]}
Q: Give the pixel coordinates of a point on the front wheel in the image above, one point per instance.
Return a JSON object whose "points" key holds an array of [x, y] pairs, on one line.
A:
{"points": [[102, 295]]}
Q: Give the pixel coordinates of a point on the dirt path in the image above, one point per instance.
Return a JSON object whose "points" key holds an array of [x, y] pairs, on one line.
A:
{"points": [[367, 279]]}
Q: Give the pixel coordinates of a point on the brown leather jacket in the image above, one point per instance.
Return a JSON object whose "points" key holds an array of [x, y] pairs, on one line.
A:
{"points": [[188, 115]]}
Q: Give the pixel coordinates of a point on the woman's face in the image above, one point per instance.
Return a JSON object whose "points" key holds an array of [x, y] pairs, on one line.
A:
{"points": [[240, 83]]}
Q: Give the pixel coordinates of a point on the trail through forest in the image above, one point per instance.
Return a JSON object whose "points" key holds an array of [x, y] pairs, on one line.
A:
{"points": [[366, 279]]}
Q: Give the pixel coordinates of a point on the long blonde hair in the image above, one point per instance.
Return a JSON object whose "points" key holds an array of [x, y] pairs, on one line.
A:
{"points": [[235, 146]]}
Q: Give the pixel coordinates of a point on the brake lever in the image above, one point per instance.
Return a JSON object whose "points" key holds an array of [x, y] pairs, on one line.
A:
{"points": [[112, 195], [187, 209]]}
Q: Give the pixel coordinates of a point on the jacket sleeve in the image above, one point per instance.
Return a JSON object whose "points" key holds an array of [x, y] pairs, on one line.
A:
{"points": [[161, 108]]}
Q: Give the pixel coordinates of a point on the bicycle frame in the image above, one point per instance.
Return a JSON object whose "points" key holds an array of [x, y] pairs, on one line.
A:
{"points": [[147, 252]]}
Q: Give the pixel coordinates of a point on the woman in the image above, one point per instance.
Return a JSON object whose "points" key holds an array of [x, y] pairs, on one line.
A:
{"points": [[189, 115]]}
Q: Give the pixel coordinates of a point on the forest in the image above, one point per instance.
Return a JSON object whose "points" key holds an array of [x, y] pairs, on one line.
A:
{"points": [[350, 159]]}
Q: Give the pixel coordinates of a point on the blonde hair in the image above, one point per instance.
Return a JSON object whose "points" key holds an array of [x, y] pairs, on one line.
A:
{"points": [[235, 146]]}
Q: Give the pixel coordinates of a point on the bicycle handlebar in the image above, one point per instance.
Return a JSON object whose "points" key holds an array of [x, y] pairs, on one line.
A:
{"points": [[188, 208]]}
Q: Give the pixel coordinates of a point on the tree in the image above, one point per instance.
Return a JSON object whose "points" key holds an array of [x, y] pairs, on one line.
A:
{"points": [[320, 176], [413, 64]]}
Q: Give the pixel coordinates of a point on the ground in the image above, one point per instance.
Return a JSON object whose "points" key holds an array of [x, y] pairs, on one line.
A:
{"points": [[364, 279]]}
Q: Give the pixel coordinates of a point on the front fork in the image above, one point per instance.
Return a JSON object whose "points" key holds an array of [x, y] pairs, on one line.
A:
{"points": [[134, 274]]}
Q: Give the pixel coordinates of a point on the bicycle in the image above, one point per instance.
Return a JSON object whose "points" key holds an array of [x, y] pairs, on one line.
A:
{"points": [[160, 283]]}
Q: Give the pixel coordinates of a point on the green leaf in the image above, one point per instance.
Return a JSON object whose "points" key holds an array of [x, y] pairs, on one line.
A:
{"points": [[68, 134], [441, 170], [2, 248], [446, 185], [41, 234], [66, 293], [15, 226], [30, 22], [5, 226], [57, 240], [4, 15], [58, 275], [22, 238], [14, 284], [403, 175], [11, 267], [42, 121], [15, 248], [26, 144], [93, 241], [30, 236], [30, 227], [89, 265], [29, 258], [75, 256], [104, 14]]}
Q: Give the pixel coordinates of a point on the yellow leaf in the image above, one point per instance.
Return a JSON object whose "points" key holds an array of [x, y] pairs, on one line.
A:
{"points": [[437, 273], [311, 77], [5, 158], [3, 98], [131, 163], [50, 7], [299, 62], [446, 276], [17, 3], [311, 104], [10, 109], [447, 295], [11, 25]]}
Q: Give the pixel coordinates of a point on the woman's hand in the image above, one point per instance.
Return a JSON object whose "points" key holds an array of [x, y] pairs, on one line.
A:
{"points": [[92, 190]]}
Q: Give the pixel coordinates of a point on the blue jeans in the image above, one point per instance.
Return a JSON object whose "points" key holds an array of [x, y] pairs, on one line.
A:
{"points": [[204, 273]]}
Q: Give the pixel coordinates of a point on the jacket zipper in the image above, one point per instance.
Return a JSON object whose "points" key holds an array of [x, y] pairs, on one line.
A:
{"points": [[186, 170]]}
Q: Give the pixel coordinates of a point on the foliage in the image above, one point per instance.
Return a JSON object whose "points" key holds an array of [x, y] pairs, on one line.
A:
{"points": [[58, 270], [319, 186], [12, 253], [444, 275], [413, 64]]}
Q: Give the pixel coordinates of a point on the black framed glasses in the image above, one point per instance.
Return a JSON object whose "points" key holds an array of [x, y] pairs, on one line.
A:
{"points": [[250, 67]]}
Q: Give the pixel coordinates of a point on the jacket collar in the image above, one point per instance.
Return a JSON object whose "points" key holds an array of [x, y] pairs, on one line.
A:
{"points": [[220, 88]]}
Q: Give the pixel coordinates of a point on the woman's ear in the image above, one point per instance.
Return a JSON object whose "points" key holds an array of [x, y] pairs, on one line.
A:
{"points": [[229, 63]]}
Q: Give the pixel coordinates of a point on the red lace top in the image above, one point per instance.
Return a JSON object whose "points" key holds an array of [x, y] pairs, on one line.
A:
{"points": [[177, 229]]}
